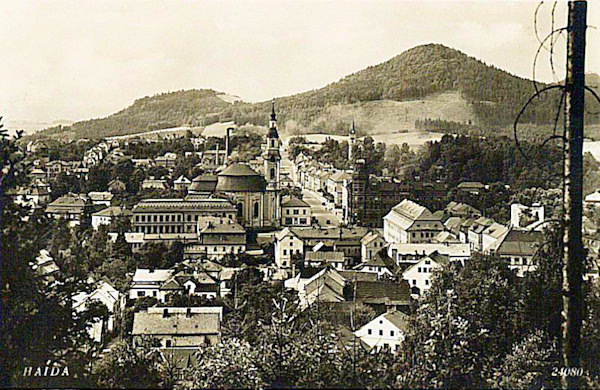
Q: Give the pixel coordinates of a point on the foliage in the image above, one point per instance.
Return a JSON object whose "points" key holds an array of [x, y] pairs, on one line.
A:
{"points": [[128, 366]]}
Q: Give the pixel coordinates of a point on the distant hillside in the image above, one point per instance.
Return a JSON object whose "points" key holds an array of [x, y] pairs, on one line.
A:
{"points": [[429, 81]]}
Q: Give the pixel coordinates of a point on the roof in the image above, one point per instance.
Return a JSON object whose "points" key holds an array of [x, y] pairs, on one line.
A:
{"points": [[352, 275], [593, 197], [435, 257], [97, 195], [203, 183], [175, 323], [240, 178], [518, 242], [328, 233], [156, 275], [381, 292], [340, 176], [182, 179], [214, 225], [406, 213], [462, 209], [425, 249], [370, 236], [184, 204], [495, 230], [399, 319], [113, 211], [471, 184], [294, 202], [324, 256]]}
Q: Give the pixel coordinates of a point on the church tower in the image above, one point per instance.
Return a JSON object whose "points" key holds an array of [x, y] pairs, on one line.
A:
{"points": [[272, 160], [351, 143]]}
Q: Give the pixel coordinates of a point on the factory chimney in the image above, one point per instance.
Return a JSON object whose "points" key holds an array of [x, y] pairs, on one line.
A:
{"points": [[227, 141]]}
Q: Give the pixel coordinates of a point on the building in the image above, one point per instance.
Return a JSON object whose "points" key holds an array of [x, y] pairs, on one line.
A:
{"points": [[179, 328], [287, 245], [295, 212], [385, 332], [592, 200], [169, 160], [36, 195], [471, 187], [217, 238], [490, 235], [419, 275], [336, 260], [109, 215], [409, 222], [377, 265], [100, 198], [412, 253], [335, 186], [325, 286], [203, 186], [116, 186], [147, 282], [463, 210], [527, 217], [45, 267], [178, 216], [381, 295], [154, 184], [73, 208], [371, 198], [181, 183], [198, 283], [106, 294], [518, 248], [371, 243]]}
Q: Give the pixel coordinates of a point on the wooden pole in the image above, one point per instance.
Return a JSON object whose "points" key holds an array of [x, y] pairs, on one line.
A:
{"points": [[573, 261]]}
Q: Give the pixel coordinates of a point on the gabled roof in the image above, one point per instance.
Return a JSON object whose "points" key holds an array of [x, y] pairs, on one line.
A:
{"points": [[148, 275], [518, 243], [435, 257], [382, 292], [238, 169], [471, 184], [399, 319], [370, 237], [495, 230], [324, 256], [155, 323], [340, 176], [294, 202], [113, 211], [182, 179]]}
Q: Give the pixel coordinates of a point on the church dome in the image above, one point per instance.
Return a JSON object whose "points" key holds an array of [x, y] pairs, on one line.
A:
{"points": [[203, 184], [240, 178]]}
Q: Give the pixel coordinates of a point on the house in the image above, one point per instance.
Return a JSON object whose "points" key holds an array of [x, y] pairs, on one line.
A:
{"points": [[217, 237], [179, 328], [45, 267], [409, 222], [385, 332], [36, 195], [446, 238], [181, 183], [37, 173], [471, 187], [135, 240], [492, 234], [420, 274], [526, 217], [169, 160], [518, 247], [295, 212], [287, 245], [325, 286], [108, 215], [463, 210], [147, 282], [116, 186], [336, 260], [377, 265], [411, 253], [593, 199], [73, 208], [100, 198], [475, 232], [335, 186], [197, 283], [154, 184], [370, 244], [380, 295], [106, 294]]}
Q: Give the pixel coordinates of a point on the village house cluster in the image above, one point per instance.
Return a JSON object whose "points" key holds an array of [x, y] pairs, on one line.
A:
{"points": [[387, 247]]}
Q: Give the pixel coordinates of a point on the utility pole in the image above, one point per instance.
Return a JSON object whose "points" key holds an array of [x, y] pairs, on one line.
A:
{"points": [[573, 255]]}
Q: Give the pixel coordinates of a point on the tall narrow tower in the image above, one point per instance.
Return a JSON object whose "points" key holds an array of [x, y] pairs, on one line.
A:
{"points": [[272, 158], [351, 142]]}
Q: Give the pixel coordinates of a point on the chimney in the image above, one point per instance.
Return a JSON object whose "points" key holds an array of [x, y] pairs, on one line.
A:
{"points": [[227, 145], [217, 155]]}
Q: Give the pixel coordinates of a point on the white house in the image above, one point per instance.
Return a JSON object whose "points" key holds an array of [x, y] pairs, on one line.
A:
{"points": [[527, 216], [287, 244], [295, 212], [100, 197], [411, 253], [420, 274], [147, 282], [375, 265], [105, 294], [408, 222], [490, 235], [370, 244], [385, 331], [108, 215]]}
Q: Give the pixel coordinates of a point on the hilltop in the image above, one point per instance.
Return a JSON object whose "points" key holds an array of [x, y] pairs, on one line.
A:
{"points": [[429, 81]]}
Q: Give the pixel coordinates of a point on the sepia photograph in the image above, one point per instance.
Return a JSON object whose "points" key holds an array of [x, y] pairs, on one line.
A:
{"points": [[300, 194]]}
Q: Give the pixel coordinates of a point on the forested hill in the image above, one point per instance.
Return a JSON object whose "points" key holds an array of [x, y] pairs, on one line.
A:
{"points": [[493, 98]]}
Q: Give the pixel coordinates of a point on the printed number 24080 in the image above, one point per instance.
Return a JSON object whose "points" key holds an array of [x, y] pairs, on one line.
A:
{"points": [[567, 371]]}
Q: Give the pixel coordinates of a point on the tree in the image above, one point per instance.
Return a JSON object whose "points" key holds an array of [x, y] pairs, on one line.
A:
{"points": [[130, 367]]}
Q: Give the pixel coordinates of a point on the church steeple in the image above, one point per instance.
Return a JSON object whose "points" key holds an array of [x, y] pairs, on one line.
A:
{"points": [[273, 120], [351, 142]]}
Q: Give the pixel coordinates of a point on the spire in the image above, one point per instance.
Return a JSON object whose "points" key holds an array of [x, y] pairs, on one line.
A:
{"points": [[273, 116], [352, 128]]}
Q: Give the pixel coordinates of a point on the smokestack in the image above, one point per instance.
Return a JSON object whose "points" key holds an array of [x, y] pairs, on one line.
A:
{"points": [[217, 155], [227, 140]]}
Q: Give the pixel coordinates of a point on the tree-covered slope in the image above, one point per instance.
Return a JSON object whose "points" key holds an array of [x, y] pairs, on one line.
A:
{"points": [[493, 96]]}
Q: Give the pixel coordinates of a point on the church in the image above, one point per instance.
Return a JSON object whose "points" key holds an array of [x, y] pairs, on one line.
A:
{"points": [[256, 196]]}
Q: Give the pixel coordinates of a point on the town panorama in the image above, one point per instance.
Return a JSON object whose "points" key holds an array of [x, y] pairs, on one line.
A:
{"points": [[390, 230]]}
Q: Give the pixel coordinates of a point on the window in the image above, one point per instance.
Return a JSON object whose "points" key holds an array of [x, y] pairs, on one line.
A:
{"points": [[304, 211], [392, 333], [414, 282], [427, 282], [285, 252], [141, 293], [272, 173], [296, 211], [427, 262], [369, 331], [287, 212], [381, 332], [419, 269], [168, 343], [255, 209], [153, 293]]}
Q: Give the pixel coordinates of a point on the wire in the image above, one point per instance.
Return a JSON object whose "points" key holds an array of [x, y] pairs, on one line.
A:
{"points": [[538, 53]]}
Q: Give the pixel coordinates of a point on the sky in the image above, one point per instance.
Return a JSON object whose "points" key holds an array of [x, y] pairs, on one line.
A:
{"points": [[81, 59]]}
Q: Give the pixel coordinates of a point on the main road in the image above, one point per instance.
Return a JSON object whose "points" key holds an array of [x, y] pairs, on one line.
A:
{"points": [[320, 213]]}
